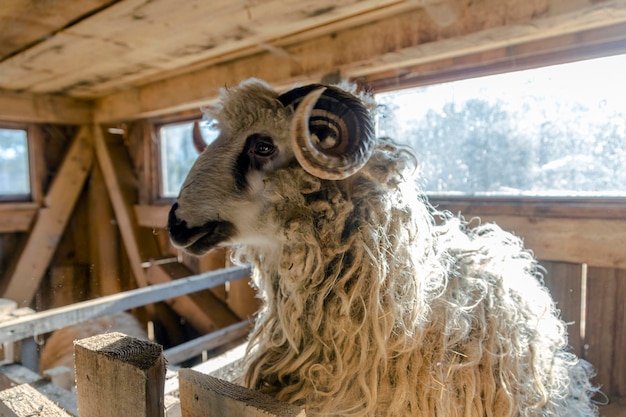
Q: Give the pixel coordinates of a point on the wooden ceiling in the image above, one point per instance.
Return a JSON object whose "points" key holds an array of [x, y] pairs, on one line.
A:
{"points": [[137, 58]]}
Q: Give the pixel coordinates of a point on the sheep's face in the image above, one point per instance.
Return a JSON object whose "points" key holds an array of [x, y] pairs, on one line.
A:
{"points": [[223, 199]]}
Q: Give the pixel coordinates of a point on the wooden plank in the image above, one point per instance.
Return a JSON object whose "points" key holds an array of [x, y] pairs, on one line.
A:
{"points": [[104, 240], [54, 319], [117, 375], [203, 310], [558, 207], [195, 347], [118, 178], [110, 55], [204, 396], [18, 374], [596, 242], [601, 320], [14, 220], [25, 22], [231, 358], [25, 401], [618, 376], [402, 40], [43, 108], [31, 264], [565, 283], [151, 215]]}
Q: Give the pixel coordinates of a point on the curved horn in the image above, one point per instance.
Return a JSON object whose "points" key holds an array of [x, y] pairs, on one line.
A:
{"points": [[198, 141], [332, 134]]}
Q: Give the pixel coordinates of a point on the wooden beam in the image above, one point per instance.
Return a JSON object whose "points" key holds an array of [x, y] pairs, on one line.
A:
{"points": [[406, 39], [54, 319], [43, 108], [195, 347], [16, 219], [32, 262], [104, 240], [121, 185], [204, 396], [117, 375], [595, 242], [152, 216], [25, 401], [202, 309]]}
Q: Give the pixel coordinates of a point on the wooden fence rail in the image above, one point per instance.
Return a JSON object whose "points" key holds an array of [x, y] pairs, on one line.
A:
{"points": [[46, 321]]}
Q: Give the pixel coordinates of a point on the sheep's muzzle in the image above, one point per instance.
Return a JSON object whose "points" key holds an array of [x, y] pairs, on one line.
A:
{"points": [[198, 240]]}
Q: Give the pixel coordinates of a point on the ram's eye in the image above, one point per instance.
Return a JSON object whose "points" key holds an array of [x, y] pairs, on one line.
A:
{"points": [[264, 148]]}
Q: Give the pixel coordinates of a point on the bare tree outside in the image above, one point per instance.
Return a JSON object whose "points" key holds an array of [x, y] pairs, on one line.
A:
{"points": [[553, 131]]}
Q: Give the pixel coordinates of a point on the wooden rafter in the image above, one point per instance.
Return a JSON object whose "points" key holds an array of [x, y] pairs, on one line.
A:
{"points": [[30, 266], [389, 44]]}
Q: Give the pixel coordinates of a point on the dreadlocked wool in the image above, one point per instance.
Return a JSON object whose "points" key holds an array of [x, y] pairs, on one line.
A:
{"points": [[374, 308]]}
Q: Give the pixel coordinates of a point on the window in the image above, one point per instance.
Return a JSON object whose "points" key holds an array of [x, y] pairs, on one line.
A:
{"points": [[552, 131], [178, 153], [14, 167]]}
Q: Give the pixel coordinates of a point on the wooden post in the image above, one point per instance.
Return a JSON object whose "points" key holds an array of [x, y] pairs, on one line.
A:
{"points": [[117, 375], [25, 401], [204, 396]]}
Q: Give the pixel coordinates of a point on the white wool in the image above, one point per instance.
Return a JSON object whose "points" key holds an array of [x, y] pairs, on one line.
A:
{"points": [[374, 309]]}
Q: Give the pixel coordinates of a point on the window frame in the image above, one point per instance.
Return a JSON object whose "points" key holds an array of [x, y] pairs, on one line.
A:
{"points": [[561, 49], [156, 126], [34, 149]]}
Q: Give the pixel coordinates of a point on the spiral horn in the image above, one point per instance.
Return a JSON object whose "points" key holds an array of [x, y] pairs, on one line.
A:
{"points": [[332, 133]]}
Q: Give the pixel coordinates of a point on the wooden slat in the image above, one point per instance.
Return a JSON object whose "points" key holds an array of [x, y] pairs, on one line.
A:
{"points": [[229, 359], [43, 108], [203, 310], [619, 356], [205, 396], [595, 242], [54, 319], [601, 325], [25, 401], [564, 208], [565, 283], [18, 374], [117, 375], [406, 39], [195, 347], [31, 264]]}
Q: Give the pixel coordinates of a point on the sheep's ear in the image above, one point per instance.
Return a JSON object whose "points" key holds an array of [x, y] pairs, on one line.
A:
{"points": [[332, 133]]}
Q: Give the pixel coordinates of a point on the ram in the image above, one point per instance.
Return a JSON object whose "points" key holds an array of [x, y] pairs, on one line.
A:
{"points": [[375, 304]]}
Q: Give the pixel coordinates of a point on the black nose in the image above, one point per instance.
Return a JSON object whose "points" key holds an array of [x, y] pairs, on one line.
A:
{"points": [[172, 220], [177, 228]]}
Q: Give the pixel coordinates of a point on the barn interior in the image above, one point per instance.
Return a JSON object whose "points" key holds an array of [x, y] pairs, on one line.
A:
{"points": [[92, 87]]}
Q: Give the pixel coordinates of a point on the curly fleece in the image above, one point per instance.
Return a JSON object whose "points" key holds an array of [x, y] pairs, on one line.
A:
{"points": [[377, 305]]}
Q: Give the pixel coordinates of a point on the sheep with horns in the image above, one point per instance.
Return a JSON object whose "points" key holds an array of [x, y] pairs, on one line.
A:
{"points": [[374, 303]]}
